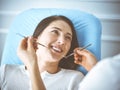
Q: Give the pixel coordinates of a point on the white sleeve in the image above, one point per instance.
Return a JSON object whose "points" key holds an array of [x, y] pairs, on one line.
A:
{"points": [[2, 70], [104, 76]]}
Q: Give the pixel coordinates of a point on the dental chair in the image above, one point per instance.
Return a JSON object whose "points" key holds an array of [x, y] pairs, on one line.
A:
{"points": [[87, 26]]}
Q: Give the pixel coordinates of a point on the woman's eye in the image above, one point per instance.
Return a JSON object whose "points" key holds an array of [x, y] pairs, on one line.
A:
{"points": [[68, 38], [55, 32]]}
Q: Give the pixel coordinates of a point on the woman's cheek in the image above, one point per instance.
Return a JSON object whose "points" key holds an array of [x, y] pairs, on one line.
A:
{"points": [[68, 47]]}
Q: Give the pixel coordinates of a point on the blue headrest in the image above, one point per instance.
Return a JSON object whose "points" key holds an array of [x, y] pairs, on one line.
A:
{"points": [[87, 26]]}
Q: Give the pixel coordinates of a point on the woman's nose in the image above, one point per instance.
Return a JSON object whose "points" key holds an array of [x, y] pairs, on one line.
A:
{"points": [[61, 40]]}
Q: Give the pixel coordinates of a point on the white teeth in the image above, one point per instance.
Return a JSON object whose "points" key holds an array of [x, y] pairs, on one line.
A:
{"points": [[57, 49]]}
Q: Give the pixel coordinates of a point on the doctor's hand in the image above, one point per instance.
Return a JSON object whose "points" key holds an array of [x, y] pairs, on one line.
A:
{"points": [[26, 52], [84, 58]]}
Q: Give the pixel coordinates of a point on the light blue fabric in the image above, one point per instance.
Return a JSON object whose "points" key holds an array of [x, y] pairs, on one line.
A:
{"points": [[87, 26]]}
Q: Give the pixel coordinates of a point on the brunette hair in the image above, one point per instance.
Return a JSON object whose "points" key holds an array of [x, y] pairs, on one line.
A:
{"points": [[64, 63]]}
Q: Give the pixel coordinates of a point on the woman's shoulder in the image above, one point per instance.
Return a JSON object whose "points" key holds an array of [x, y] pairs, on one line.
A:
{"points": [[11, 70], [8, 68]]}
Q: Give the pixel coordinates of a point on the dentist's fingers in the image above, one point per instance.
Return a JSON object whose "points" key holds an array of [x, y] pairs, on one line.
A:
{"points": [[84, 58], [32, 45], [23, 44]]}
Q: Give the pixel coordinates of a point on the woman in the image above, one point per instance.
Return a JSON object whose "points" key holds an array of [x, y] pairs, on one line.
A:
{"points": [[46, 65]]}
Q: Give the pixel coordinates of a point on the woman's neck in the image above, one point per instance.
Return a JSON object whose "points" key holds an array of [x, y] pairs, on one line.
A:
{"points": [[49, 67]]}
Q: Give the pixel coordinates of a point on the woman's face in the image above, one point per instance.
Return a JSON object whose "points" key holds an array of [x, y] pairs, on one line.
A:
{"points": [[57, 37]]}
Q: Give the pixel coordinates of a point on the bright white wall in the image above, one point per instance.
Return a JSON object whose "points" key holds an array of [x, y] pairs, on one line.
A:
{"points": [[108, 11]]}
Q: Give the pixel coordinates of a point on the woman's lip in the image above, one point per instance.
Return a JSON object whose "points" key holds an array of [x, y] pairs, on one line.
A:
{"points": [[57, 49]]}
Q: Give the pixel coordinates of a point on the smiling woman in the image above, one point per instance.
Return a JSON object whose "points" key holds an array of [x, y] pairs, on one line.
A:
{"points": [[46, 67], [61, 30]]}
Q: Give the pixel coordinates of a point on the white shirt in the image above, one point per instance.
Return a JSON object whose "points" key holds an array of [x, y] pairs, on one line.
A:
{"points": [[15, 77], [104, 76]]}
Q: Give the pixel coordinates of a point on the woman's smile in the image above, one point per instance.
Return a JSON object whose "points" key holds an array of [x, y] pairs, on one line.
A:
{"points": [[56, 49]]}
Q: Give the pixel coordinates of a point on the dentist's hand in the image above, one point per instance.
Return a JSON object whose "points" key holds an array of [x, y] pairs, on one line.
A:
{"points": [[26, 51], [84, 58]]}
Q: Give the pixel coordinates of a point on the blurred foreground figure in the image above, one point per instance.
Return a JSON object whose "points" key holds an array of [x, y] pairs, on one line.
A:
{"points": [[104, 76]]}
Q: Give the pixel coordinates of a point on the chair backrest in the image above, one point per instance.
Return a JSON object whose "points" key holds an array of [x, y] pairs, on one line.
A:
{"points": [[87, 26]]}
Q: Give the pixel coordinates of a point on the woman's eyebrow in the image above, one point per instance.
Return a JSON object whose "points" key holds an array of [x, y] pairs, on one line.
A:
{"points": [[57, 28], [61, 30]]}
